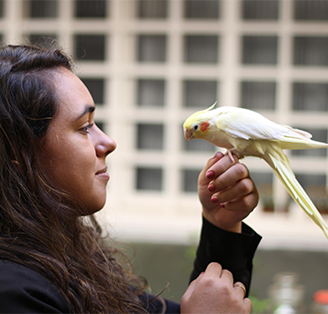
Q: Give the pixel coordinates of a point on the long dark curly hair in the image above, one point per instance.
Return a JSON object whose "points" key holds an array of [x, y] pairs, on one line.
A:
{"points": [[39, 227]]}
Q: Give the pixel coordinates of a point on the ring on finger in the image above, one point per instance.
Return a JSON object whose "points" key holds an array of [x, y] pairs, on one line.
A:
{"points": [[240, 285]]}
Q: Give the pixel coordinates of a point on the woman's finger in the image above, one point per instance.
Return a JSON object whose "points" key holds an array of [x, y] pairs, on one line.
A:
{"points": [[223, 164], [242, 188], [232, 175], [240, 288]]}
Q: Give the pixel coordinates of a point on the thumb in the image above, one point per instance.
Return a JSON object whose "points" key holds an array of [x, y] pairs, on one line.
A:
{"points": [[192, 286]]}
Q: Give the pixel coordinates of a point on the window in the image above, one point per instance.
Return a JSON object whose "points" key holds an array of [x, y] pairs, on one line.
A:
{"points": [[315, 187], [316, 10], [319, 135], [311, 51], [197, 145], [310, 96], [1, 8], [260, 9], [259, 50], [101, 125], [149, 179], [150, 92], [150, 136], [201, 49], [151, 48], [189, 180], [43, 40], [263, 180], [156, 9], [199, 94], [43, 8], [201, 9], [264, 184], [258, 95], [90, 8], [90, 47], [96, 86]]}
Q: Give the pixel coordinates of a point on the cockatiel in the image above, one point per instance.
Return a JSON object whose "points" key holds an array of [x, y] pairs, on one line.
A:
{"points": [[246, 133]]}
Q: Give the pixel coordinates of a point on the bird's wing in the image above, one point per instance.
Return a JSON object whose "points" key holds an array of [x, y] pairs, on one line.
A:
{"points": [[246, 124]]}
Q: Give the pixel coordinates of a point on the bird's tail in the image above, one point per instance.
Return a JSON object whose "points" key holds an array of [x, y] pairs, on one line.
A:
{"points": [[299, 139], [280, 165], [296, 143]]}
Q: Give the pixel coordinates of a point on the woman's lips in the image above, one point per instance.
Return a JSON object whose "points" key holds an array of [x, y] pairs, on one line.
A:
{"points": [[103, 174]]}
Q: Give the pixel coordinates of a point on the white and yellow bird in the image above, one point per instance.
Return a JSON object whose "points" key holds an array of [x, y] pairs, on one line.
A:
{"points": [[247, 133]]}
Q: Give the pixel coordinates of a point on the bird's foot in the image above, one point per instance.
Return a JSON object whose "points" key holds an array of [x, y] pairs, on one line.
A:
{"points": [[235, 152]]}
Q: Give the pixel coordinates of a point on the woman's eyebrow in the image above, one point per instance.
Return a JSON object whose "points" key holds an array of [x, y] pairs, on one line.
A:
{"points": [[87, 109]]}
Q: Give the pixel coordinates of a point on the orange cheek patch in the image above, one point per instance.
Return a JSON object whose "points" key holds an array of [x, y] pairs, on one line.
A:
{"points": [[204, 126]]}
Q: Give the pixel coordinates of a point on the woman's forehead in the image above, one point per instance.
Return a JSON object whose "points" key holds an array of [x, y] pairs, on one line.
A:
{"points": [[74, 97]]}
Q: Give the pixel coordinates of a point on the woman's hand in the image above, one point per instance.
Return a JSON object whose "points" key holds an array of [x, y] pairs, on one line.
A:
{"points": [[226, 192], [213, 292]]}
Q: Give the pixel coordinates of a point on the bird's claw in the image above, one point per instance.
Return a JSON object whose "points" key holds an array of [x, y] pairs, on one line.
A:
{"points": [[235, 152]]}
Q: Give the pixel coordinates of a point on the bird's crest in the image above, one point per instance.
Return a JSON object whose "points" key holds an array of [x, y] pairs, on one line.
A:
{"points": [[212, 107], [197, 116]]}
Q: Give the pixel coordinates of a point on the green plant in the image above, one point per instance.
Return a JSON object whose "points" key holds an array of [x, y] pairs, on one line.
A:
{"points": [[260, 306]]}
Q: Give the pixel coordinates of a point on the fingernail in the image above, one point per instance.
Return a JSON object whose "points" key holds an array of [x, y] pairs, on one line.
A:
{"points": [[217, 154], [210, 174], [214, 199], [222, 205], [211, 187]]}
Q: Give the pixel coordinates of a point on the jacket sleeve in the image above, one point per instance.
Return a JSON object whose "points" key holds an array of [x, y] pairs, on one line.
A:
{"points": [[234, 251], [24, 291]]}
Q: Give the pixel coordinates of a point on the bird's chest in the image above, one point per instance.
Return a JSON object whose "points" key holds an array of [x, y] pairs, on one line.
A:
{"points": [[221, 139]]}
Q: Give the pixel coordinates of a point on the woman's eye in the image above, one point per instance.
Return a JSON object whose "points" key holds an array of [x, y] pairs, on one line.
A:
{"points": [[86, 129]]}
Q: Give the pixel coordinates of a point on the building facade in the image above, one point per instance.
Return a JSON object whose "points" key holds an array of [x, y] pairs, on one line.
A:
{"points": [[149, 64]]}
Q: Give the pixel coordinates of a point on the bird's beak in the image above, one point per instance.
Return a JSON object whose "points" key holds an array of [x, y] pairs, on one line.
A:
{"points": [[188, 134]]}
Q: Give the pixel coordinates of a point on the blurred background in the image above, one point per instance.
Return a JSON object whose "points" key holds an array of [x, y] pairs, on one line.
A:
{"points": [[149, 64]]}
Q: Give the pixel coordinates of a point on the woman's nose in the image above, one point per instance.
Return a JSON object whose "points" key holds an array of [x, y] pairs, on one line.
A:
{"points": [[105, 145]]}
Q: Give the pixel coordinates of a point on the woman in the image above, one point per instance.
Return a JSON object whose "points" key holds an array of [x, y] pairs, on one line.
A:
{"points": [[53, 178]]}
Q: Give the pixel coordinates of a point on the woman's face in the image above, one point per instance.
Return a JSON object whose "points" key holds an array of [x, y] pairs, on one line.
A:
{"points": [[75, 147]]}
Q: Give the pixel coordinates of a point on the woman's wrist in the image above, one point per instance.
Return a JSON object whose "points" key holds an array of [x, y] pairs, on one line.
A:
{"points": [[223, 224]]}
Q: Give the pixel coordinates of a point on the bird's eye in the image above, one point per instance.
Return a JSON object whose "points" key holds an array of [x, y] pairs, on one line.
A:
{"points": [[195, 127]]}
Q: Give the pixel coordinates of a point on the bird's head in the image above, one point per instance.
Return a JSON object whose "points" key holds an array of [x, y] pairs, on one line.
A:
{"points": [[198, 124]]}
